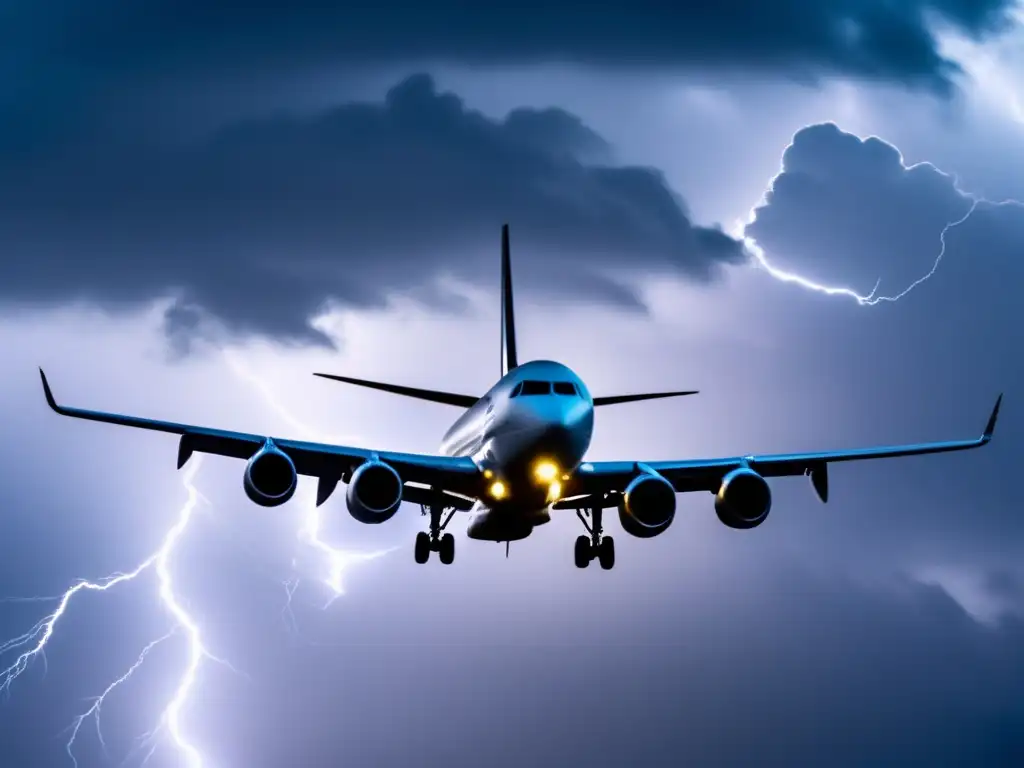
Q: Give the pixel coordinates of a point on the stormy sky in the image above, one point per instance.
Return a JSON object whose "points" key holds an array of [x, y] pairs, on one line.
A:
{"points": [[203, 203]]}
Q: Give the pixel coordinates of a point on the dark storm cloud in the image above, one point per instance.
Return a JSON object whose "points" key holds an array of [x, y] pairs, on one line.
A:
{"points": [[782, 667], [876, 39], [264, 222], [1005, 584], [847, 210]]}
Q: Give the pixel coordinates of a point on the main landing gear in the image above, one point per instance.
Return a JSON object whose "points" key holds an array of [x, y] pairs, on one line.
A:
{"points": [[596, 545], [435, 540]]}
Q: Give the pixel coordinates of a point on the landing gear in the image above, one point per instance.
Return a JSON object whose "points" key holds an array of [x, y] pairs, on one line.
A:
{"points": [[422, 548], [582, 551], [435, 540], [446, 549], [596, 545]]}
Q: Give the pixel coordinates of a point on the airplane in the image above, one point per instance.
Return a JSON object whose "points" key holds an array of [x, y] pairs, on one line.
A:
{"points": [[511, 459]]}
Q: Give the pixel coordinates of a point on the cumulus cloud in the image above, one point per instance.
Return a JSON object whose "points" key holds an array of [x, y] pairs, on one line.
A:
{"points": [[263, 223], [848, 210]]}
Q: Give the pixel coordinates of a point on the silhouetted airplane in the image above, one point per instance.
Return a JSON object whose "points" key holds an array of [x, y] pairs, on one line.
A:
{"points": [[514, 455]]}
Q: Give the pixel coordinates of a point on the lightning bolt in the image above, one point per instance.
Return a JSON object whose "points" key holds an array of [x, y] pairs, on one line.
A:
{"points": [[310, 530], [32, 645], [872, 298]]}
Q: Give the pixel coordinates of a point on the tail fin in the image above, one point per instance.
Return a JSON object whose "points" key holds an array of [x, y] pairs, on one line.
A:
{"points": [[509, 358]]}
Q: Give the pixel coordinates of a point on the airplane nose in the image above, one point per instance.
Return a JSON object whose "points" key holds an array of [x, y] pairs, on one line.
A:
{"points": [[568, 429], [560, 426]]}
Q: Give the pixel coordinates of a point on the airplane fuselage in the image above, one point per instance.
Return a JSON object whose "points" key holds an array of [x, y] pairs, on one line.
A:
{"points": [[528, 433]]}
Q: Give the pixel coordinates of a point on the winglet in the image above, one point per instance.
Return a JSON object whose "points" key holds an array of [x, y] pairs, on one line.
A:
{"points": [[990, 428], [49, 394]]}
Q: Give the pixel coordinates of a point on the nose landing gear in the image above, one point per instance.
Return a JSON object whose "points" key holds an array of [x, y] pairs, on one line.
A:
{"points": [[435, 540], [595, 545]]}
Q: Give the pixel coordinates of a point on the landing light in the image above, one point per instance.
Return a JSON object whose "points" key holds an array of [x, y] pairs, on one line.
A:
{"points": [[554, 492], [546, 471], [498, 489]]}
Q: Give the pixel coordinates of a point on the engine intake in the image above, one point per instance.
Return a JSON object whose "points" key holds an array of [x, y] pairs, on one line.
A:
{"points": [[270, 477], [743, 500], [374, 492], [648, 506]]}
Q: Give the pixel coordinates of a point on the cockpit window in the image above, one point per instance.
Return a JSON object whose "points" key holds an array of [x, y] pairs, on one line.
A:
{"points": [[533, 388], [564, 388]]}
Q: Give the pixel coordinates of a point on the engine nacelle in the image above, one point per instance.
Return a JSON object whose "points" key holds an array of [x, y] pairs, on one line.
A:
{"points": [[647, 506], [270, 477], [374, 492], [743, 500]]}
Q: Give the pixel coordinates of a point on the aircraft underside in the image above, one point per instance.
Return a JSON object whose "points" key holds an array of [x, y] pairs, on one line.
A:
{"points": [[511, 524]]}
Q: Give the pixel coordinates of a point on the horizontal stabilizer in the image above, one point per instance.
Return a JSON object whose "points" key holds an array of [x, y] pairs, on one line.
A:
{"points": [[616, 399], [432, 395]]}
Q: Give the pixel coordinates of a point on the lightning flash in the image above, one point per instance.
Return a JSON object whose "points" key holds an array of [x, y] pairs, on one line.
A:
{"points": [[32, 645], [310, 531], [872, 298]]}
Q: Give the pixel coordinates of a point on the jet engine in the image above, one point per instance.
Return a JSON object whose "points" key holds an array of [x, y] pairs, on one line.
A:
{"points": [[270, 477], [648, 506], [374, 492], [743, 500]]}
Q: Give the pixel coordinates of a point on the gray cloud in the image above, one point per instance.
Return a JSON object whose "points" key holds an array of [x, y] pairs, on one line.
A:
{"points": [[848, 210], [267, 220], [76, 51], [823, 670]]}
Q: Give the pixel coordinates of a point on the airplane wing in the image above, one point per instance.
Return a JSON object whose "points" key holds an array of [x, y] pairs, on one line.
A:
{"points": [[329, 463], [601, 480]]}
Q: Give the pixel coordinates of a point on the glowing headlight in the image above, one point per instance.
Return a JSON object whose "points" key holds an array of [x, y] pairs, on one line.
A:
{"points": [[546, 471], [498, 489], [554, 492]]}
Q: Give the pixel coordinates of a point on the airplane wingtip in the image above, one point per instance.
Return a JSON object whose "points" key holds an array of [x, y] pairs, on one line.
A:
{"points": [[990, 428], [50, 401]]}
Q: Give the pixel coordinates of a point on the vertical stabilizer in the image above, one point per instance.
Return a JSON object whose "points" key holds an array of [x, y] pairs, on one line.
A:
{"points": [[509, 358]]}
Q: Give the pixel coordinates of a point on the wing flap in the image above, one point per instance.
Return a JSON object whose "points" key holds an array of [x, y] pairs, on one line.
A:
{"points": [[415, 494]]}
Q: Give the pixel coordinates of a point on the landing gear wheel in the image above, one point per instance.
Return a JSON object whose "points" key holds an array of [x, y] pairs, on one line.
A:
{"points": [[422, 548], [606, 553], [595, 544], [582, 552], [435, 540], [446, 549]]}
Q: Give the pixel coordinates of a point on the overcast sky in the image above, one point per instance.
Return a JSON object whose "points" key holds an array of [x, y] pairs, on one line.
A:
{"points": [[201, 204]]}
